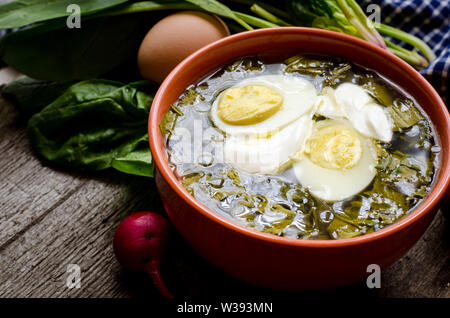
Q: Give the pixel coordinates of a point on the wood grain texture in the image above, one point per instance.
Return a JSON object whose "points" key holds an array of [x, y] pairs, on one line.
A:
{"points": [[51, 218]]}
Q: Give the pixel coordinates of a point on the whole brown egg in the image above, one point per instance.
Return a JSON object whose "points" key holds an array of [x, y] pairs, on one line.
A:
{"points": [[174, 38]]}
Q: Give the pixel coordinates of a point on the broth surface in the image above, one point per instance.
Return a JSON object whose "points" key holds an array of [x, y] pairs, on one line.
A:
{"points": [[278, 204]]}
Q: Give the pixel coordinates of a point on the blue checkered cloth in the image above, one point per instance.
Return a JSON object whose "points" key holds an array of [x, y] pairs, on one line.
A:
{"points": [[427, 19]]}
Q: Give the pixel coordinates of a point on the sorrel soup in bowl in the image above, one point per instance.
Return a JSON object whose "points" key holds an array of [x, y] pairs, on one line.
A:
{"points": [[294, 158]]}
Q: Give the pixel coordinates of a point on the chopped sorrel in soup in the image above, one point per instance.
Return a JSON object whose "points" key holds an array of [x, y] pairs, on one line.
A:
{"points": [[311, 147]]}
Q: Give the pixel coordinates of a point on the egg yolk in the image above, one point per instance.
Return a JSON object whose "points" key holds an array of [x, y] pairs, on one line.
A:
{"points": [[248, 105], [334, 147]]}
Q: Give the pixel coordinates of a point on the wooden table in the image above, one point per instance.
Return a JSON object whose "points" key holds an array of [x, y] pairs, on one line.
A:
{"points": [[51, 218]]}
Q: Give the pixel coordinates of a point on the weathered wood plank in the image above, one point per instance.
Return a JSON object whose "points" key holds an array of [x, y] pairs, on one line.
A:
{"points": [[27, 188], [77, 231]]}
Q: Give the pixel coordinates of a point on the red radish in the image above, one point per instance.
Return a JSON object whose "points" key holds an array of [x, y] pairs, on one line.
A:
{"points": [[139, 243]]}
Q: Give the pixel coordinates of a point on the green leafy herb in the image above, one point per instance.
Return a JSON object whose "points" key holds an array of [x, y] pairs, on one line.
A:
{"points": [[234, 176], [148, 6], [138, 162], [250, 64], [191, 178], [20, 13], [277, 227], [53, 52], [48, 50], [346, 16], [339, 229], [302, 12], [30, 95], [94, 125], [307, 65], [379, 92], [219, 9], [332, 70], [168, 122], [190, 97], [404, 113]]}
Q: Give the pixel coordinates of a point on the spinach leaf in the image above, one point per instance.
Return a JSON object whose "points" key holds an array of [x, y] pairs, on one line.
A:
{"points": [[20, 13], [145, 6], [302, 12], [51, 51], [138, 162], [95, 124], [320, 7], [30, 95], [218, 8]]}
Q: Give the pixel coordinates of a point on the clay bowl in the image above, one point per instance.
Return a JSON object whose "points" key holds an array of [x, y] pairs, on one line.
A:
{"points": [[277, 262]]}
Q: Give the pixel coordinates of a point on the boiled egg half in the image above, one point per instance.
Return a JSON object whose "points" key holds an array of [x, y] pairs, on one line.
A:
{"points": [[338, 162], [262, 105], [266, 120]]}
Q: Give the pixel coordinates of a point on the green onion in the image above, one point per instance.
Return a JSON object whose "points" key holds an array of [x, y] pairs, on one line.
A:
{"points": [[407, 38], [268, 16]]}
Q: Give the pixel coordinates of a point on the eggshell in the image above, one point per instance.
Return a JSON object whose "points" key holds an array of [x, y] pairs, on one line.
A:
{"points": [[174, 38]]}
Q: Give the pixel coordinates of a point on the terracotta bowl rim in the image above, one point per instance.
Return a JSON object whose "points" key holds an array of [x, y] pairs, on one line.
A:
{"points": [[421, 211]]}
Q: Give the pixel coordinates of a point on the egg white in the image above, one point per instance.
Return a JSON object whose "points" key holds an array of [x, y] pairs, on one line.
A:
{"points": [[298, 94], [364, 113], [326, 104], [335, 185], [268, 155], [352, 102]]}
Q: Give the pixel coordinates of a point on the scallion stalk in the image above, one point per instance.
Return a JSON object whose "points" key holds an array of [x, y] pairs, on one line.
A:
{"points": [[257, 22], [268, 16], [407, 38], [411, 57], [356, 16]]}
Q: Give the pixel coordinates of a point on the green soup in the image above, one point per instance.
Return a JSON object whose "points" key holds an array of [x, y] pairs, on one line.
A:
{"points": [[278, 203]]}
